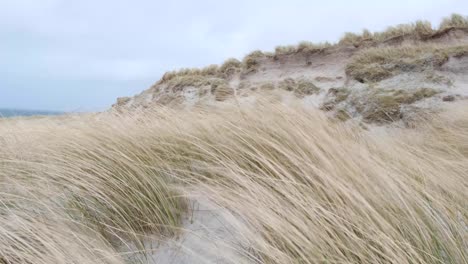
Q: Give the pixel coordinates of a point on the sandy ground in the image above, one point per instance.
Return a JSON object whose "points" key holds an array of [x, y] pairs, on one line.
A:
{"points": [[206, 238]]}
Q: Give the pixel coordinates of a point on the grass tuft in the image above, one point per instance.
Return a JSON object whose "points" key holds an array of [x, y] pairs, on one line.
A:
{"points": [[300, 87], [230, 67], [385, 106], [454, 21], [376, 64]]}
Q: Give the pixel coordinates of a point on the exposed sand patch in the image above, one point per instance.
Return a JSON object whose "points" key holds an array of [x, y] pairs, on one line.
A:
{"points": [[207, 237]]}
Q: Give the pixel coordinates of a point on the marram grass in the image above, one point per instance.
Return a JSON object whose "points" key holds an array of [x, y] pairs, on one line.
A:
{"points": [[307, 189]]}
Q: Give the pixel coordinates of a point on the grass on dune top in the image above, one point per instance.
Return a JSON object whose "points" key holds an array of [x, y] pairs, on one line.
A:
{"points": [[420, 30]]}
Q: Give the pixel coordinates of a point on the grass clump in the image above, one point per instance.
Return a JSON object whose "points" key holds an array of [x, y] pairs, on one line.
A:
{"points": [[350, 38], [385, 106], [376, 64], [125, 195], [305, 88], [457, 51], [211, 70], [285, 50], [179, 83], [454, 21], [310, 47], [342, 115], [420, 31], [252, 61], [304, 47], [301, 87], [423, 28], [374, 105], [230, 66], [334, 97], [288, 84]]}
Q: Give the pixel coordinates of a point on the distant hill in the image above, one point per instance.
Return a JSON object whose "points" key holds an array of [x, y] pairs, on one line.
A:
{"points": [[21, 112]]}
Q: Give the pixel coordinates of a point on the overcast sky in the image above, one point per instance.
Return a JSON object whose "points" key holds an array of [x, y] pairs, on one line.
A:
{"points": [[80, 55]]}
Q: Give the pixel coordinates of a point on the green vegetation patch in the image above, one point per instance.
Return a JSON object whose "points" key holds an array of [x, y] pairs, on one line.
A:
{"points": [[305, 87], [301, 87], [385, 106], [374, 105], [334, 97], [377, 64]]}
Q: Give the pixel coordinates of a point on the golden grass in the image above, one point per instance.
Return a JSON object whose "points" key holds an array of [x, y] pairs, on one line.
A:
{"points": [[252, 61], [366, 206], [455, 21], [307, 190], [419, 30], [303, 47], [92, 183], [230, 66]]}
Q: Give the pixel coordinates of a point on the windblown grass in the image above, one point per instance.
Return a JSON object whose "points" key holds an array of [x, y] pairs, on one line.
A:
{"points": [[305, 189], [230, 66], [454, 21], [252, 61], [419, 30], [90, 179], [303, 47]]}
